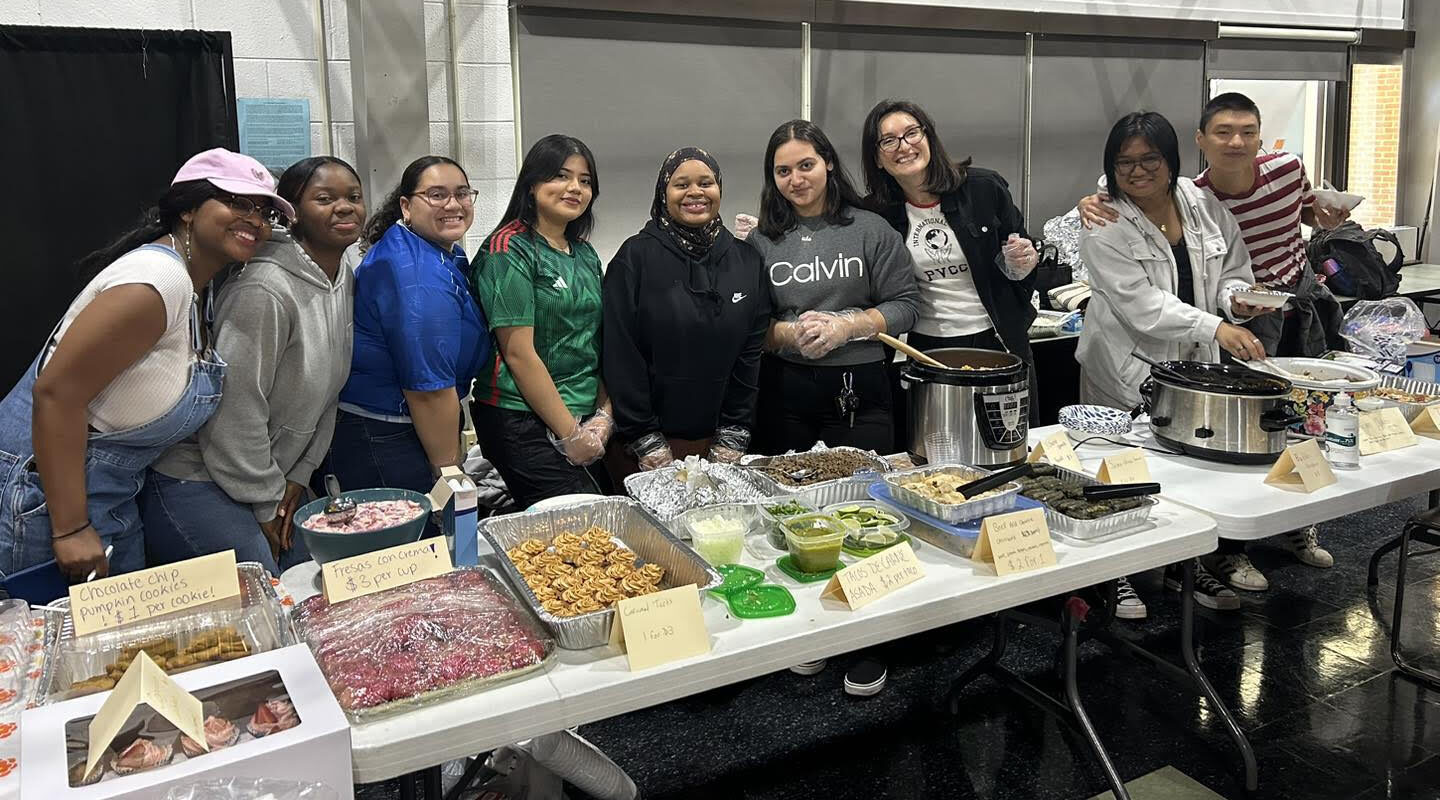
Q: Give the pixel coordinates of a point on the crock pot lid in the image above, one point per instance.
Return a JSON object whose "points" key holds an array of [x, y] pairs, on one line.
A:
{"points": [[1219, 378]]}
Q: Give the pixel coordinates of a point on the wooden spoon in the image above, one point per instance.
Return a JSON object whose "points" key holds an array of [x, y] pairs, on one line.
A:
{"points": [[909, 351]]}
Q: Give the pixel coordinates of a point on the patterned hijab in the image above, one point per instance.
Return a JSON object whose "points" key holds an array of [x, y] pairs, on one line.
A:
{"points": [[695, 241]]}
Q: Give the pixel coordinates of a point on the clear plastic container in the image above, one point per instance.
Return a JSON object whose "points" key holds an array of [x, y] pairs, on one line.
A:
{"points": [[717, 532], [871, 526], [815, 541], [775, 510]]}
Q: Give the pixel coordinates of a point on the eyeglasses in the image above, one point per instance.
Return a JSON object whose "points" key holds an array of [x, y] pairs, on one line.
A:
{"points": [[1149, 163], [912, 137], [438, 196], [244, 207]]}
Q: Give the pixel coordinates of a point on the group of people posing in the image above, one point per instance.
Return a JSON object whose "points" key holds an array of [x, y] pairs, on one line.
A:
{"points": [[251, 336]]}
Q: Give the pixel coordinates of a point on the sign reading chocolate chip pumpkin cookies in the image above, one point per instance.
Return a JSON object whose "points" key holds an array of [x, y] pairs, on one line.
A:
{"points": [[135, 596]]}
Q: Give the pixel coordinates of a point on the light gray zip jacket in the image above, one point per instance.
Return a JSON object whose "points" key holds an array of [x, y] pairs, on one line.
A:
{"points": [[285, 331], [1134, 306]]}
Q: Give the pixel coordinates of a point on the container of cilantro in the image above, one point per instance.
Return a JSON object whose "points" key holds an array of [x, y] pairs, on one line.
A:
{"points": [[775, 510]]}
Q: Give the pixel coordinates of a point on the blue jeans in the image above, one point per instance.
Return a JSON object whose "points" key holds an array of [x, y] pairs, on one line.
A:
{"points": [[373, 454], [187, 519]]}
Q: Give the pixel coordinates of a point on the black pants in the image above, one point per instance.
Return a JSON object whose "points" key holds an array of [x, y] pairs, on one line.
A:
{"points": [[797, 407], [517, 443]]}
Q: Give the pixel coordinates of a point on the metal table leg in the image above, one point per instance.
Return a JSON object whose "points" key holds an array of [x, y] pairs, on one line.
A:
{"points": [[1187, 650], [407, 786], [431, 776], [1401, 664], [1070, 618], [985, 664]]}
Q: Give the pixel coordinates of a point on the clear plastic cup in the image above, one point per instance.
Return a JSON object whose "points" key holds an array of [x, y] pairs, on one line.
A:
{"points": [[942, 447]]}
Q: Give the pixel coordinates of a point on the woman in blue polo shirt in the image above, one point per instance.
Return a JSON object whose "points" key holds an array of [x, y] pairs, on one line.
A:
{"points": [[420, 338]]}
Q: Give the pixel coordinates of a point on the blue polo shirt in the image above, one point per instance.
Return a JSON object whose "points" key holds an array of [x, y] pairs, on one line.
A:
{"points": [[416, 325]]}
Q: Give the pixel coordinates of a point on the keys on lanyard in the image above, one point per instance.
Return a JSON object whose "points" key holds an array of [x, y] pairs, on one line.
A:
{"points": [[847, 403]]}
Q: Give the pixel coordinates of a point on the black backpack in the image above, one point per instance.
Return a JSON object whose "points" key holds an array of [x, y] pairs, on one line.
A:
{"points": [[1352, 265]]}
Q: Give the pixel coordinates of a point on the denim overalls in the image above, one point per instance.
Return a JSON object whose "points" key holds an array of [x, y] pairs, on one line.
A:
{"points": [[115, 463]]}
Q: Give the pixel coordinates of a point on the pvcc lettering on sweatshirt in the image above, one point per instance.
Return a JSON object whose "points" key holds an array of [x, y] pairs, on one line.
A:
{"points": [[783, 272]]}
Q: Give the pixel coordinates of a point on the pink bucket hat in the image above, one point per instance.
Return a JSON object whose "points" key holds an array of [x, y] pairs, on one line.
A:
{"points": [[234, 173]]}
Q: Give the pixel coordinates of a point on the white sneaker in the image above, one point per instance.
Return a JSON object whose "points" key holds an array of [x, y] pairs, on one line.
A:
{"points": [[1128, 604], [1236, 570], [809, 667], [1305, 544]]}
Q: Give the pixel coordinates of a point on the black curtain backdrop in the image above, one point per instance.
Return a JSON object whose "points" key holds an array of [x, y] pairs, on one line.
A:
{"points": [[93, 125]]}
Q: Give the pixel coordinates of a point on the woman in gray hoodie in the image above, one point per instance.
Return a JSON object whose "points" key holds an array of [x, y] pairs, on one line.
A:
{"points": [[283, 323]]}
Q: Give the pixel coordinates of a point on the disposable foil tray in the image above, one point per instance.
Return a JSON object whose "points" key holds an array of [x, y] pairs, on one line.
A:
{"points": [[667, 492], [1414, 385], [950, 512], [1102, 527]]}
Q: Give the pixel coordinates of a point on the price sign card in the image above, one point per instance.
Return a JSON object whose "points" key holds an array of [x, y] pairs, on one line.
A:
{"points": [[1302, 467], [1015, 542], [658, 628], [373, 572], [134, 596], [1126, 466], [144, 682], [1057, 450], [872, 578], [1384, 430], [1428, 423]]}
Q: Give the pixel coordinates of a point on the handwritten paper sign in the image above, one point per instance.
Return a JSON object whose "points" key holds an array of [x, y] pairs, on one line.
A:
{"points": [[1384, 430], [1057, 450], [377, 571], [144, 682], [134, 596], [1015, 542], [1427, 424], [1302, 467], [658, 628], [870, 579], [1126, 466]]}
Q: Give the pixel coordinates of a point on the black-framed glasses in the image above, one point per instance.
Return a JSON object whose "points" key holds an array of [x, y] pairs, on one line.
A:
{"points": [[244, 207], [911, 137], [438, 196], [1150, 163]]}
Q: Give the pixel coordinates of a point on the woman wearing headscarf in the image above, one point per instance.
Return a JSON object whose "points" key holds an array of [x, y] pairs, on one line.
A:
{"points": [[686, 311]]}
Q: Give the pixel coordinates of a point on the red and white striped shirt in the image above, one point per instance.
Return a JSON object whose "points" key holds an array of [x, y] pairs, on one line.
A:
{"points": [[1269, 217]]}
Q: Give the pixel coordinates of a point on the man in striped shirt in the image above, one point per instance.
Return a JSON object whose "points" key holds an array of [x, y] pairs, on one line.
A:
{"points": [[1270, 197]]}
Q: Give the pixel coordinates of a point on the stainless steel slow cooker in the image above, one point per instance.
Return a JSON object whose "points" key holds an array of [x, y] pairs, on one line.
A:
{"points": [[982, 396], [1220, 412]]}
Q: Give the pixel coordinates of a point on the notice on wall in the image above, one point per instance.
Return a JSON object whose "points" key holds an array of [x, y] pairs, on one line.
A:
{"points": [[274, 132]]}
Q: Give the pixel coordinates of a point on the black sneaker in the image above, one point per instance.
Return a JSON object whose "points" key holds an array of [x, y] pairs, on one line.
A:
{"points": [[1209, 591], [866, 678]]}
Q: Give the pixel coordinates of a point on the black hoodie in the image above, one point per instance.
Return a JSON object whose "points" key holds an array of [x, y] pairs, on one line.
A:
{"points": [[683, 337]]}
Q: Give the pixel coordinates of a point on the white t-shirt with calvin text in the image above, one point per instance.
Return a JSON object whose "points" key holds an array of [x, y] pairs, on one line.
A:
{"points": [[949, 303]]}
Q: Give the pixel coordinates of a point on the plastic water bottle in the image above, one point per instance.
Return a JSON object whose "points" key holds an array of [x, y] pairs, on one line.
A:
{"points": [[1342, 439]]}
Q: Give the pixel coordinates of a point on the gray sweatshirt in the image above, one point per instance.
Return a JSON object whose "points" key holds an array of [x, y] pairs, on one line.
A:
{"points": [[285, 331], [823, 267]]}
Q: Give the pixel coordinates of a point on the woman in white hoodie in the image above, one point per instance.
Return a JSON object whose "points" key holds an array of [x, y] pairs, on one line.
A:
{"points": [[284, 324], [1164, 276]]}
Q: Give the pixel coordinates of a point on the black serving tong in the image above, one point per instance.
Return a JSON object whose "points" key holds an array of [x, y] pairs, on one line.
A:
{"points": [[1161, 366], [1115, 491], [989, 482]]}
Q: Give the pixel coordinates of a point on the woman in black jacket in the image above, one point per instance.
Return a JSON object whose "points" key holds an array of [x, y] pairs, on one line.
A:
{"points": [[974, 263], [686, 311]]}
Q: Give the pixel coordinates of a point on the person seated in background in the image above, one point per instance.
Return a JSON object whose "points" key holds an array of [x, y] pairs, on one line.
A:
{"points": [[541, 413], [1164, 275], [126, 373], [1270, 197], [283, 325], [420, 337], [687, 307]]}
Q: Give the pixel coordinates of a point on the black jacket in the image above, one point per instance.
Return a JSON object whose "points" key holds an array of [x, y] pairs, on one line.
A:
{"points": [[983, 216], [682, 337]]}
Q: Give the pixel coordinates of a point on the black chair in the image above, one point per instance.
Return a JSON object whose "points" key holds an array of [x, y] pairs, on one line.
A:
{"points": [[1424, 527]]}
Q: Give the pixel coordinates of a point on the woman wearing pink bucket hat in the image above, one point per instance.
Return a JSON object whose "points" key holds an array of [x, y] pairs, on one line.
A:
{"points": [[127, 372]]}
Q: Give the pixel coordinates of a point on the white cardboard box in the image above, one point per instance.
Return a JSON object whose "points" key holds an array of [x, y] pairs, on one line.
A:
{"points": [[317, 750]]}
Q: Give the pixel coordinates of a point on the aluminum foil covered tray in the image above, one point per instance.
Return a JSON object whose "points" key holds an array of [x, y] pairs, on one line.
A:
{"points": [[1002, 501], [670, 491], [630, 525], [427, 641], [220, 631]]}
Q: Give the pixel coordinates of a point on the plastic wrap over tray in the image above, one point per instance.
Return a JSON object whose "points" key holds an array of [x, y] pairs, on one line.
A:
{"points": [[256, 618], [956, 512], [1101, 527], [626, 520], [670, 491], [251, 789], [423, 642]]}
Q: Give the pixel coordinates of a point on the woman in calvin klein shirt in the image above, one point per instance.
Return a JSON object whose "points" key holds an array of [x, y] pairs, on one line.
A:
{"points": [[838, 276]]}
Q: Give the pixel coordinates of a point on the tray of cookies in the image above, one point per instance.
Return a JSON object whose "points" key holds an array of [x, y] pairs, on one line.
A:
{"points": [[573, 564]]}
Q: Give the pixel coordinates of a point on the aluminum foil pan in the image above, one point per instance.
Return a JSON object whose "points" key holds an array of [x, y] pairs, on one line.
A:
{"points": [[861, 479], [258, 618], [952, 513], [1091, 529], [670, 491], [1412, 385], [626, 520]]}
